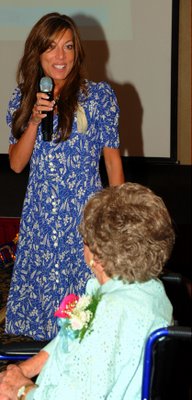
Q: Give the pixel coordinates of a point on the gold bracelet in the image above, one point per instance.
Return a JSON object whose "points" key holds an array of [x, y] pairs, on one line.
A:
{"points": [[33, 122], [22, 392]]}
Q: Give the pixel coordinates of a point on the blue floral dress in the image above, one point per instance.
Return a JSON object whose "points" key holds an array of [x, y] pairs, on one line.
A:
{"points": [[49, 262]]}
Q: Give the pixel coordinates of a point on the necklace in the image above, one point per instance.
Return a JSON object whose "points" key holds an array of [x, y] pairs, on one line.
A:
{"points": [[56, 102], [57, 99]]}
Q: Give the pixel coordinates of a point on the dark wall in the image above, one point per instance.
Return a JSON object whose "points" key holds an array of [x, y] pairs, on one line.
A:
{"points": [[13, 188], [170, 181]]}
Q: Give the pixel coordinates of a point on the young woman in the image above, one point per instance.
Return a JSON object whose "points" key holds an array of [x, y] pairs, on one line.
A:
{"points": [[64, 172]]}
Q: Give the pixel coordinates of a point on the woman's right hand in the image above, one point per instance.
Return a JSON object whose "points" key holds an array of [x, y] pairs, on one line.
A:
{"points": [[10, 381], [20, 152], [42, 105]]}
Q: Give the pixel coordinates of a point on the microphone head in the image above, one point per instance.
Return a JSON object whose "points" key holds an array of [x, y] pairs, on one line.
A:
{"points": [[46, 84]]}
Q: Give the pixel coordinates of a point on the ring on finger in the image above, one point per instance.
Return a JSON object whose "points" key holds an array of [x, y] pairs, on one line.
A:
{"points": [[39, 112]]}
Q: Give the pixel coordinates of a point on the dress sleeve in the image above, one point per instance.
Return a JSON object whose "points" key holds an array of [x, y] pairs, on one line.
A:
{"points": [[108, 116], [14, 104]]}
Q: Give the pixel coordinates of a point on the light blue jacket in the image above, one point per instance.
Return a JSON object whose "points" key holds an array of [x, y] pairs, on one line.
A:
{"points": [[107, 364]]}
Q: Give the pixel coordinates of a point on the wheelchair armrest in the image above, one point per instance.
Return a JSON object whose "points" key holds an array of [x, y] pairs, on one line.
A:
{"points": [[22, 347]]}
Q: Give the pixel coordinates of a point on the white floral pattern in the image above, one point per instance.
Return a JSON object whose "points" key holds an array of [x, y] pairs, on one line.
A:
{"points": [[50, 263]]}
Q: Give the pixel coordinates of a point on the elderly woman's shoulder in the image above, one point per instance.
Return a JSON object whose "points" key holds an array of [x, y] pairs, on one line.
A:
{"points": [[92, 286], [134, 293]]}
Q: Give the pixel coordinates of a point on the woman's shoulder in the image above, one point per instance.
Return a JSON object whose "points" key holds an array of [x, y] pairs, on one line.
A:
{"points": [[15, 96], [14, 103], [16, 91], [92, 286], [138, 292], [136, 301], [99, 87]]}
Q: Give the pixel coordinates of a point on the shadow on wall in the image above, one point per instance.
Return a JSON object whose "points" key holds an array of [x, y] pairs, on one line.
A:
{"points": [[131, 111]]}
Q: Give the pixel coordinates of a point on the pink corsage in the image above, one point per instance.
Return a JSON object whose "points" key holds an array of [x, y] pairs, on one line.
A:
{"points": [[78, 313], [66, 307]]}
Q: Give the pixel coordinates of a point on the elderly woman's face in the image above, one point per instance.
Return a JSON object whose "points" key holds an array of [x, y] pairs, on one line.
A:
{"points": [[58, 60]]}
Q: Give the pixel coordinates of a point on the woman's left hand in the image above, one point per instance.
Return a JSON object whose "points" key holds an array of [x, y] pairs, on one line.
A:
{"points": [[10, 381]]}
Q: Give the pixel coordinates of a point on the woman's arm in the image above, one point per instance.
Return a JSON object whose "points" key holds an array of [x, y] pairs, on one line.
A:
{"points": [[20, 152], [34, 365], [113, 166]]}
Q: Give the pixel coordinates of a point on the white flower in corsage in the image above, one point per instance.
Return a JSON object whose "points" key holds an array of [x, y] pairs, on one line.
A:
{"points": [[78, 313]]}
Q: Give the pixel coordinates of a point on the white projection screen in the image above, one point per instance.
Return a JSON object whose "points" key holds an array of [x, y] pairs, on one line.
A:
{"points": [[132, 44]]}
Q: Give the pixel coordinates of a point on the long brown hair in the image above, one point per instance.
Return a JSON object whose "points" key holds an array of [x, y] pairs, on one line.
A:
{"points": [[30, 72]]}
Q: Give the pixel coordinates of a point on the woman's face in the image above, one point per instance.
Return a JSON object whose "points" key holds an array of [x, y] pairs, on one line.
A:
{"points": [[58, 60]]}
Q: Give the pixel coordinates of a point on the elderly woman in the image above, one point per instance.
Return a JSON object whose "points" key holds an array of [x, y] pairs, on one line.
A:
{"points": [[98, 352]]}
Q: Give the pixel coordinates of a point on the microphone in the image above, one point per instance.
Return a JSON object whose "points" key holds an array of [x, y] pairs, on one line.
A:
{"points": [[46, 86]]}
